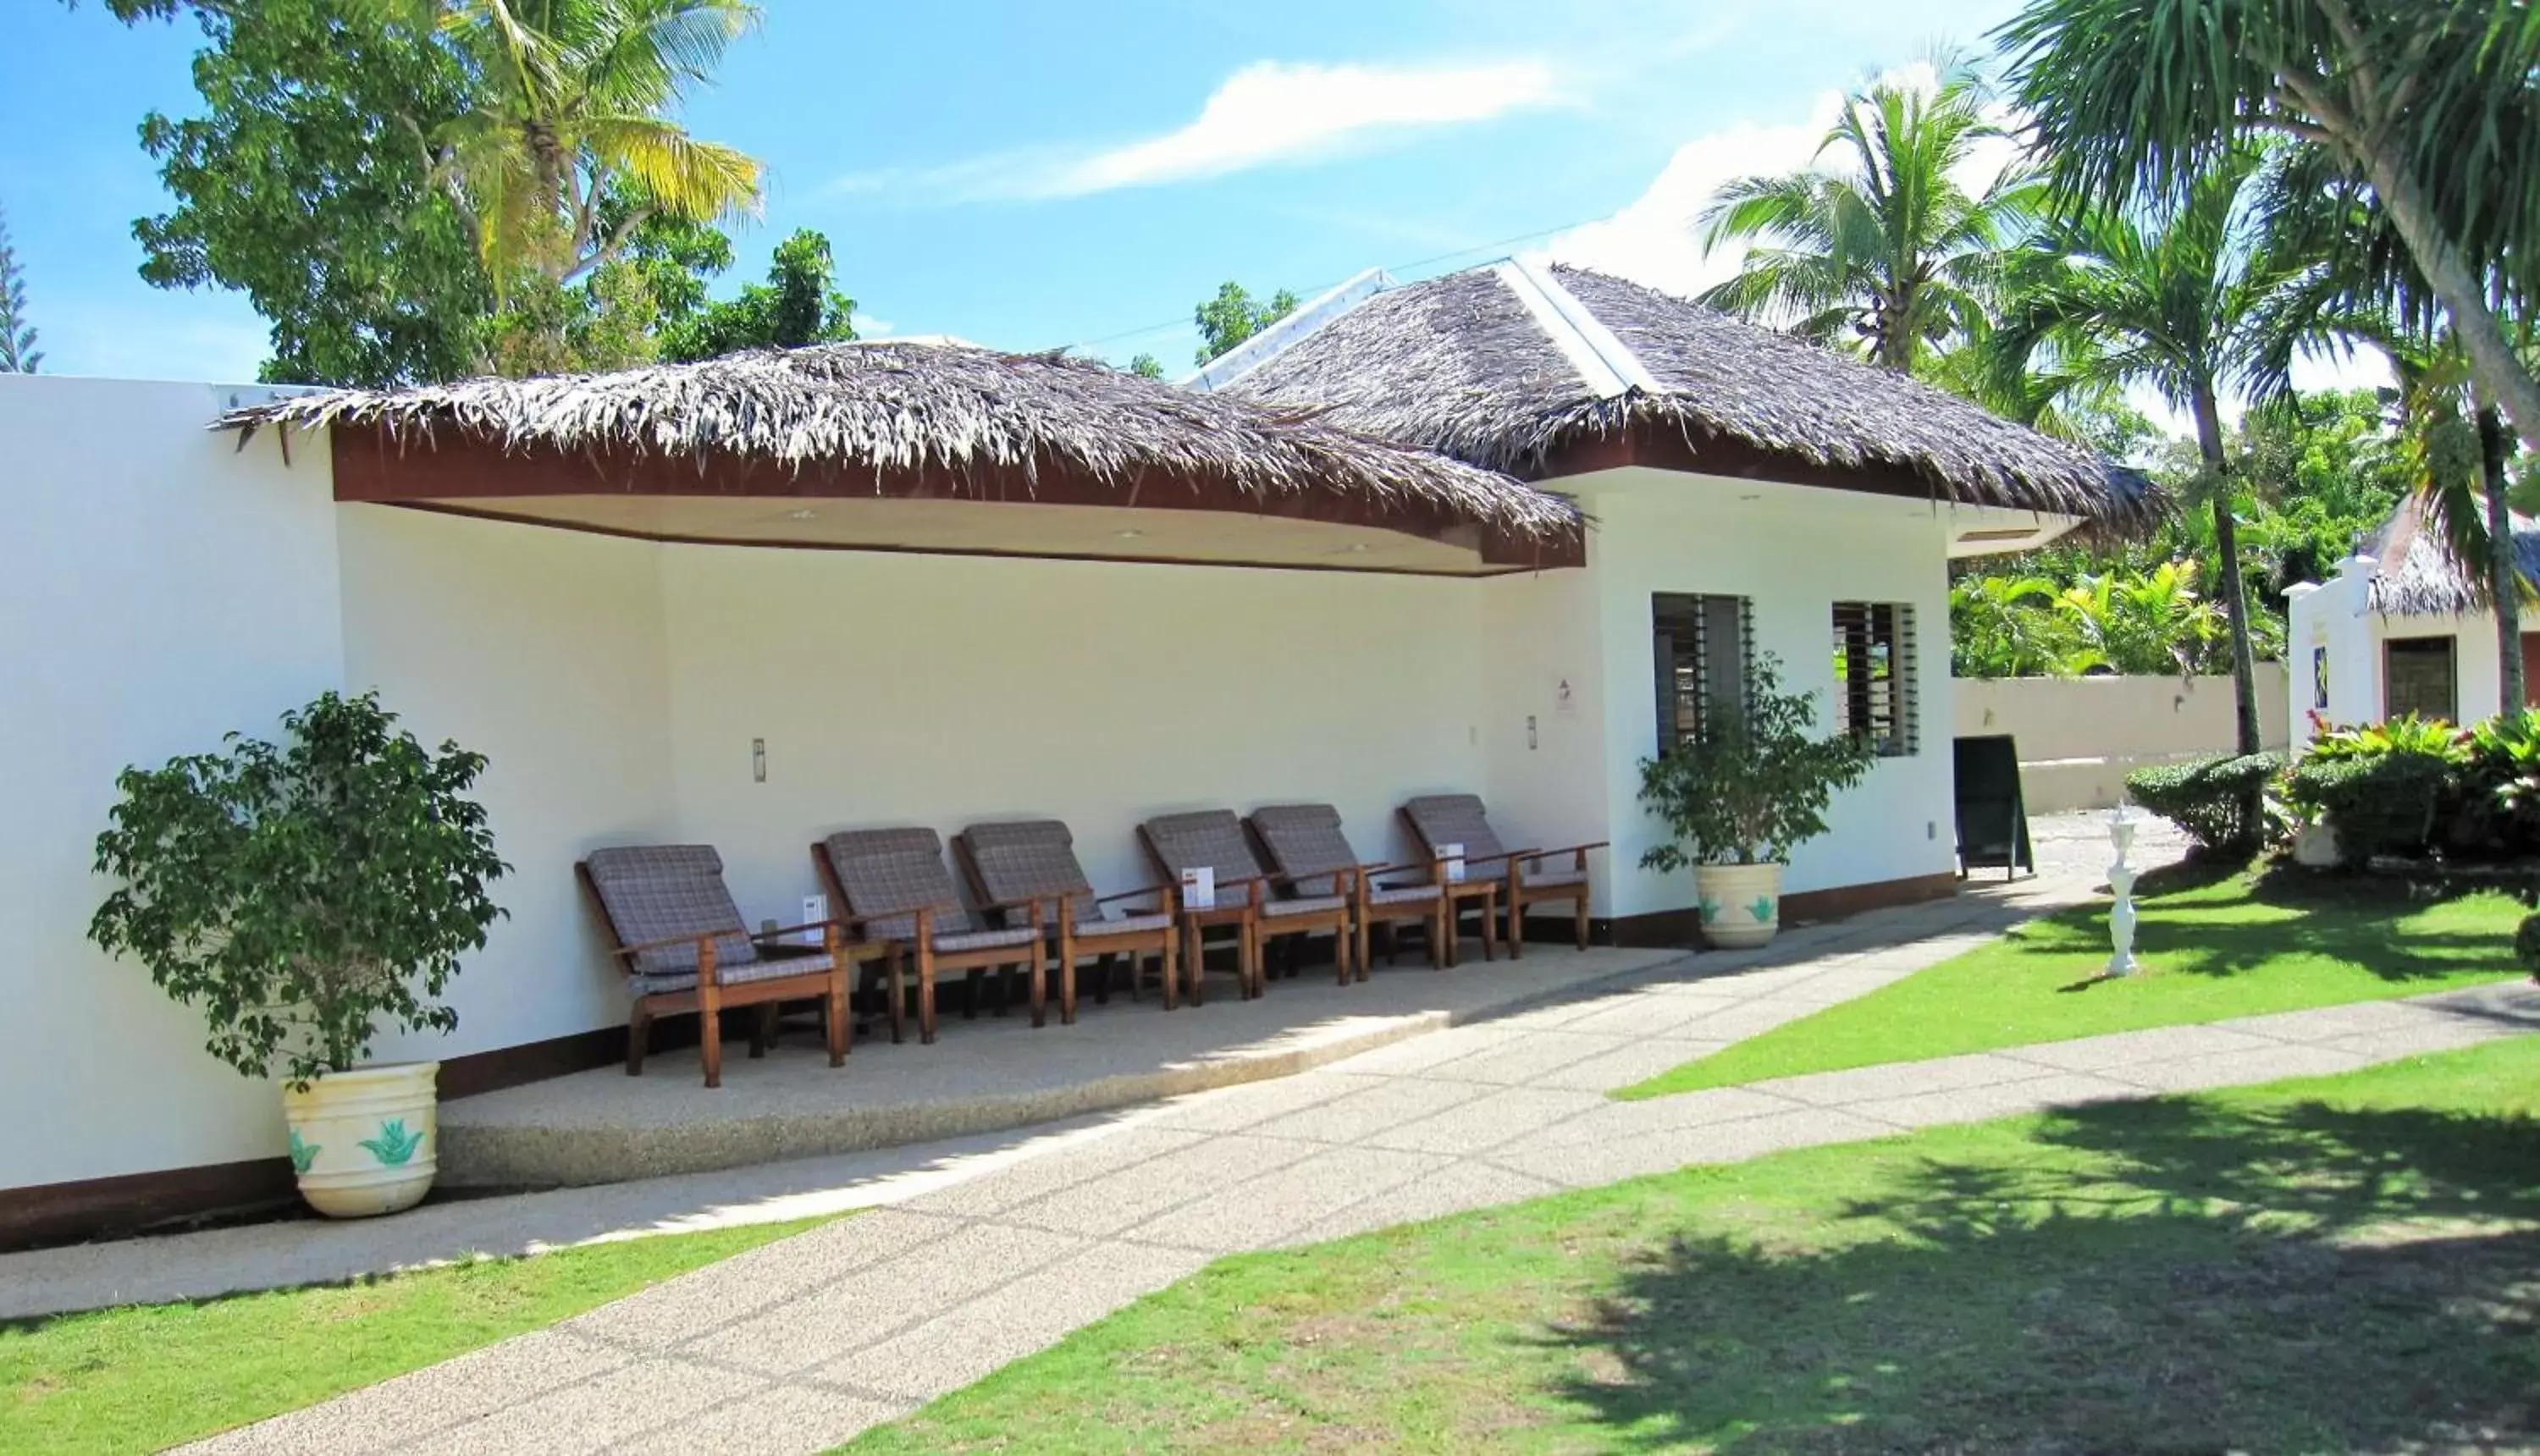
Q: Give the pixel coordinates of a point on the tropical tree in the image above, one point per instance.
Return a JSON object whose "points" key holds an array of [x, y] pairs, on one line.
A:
{"points": [[17, 351], [2187, 298], [571, 99], [2426, 104], [1234, 315], [2151, 623], [2006, 626], [1147, 367], [1887, 247], [795, 306]]}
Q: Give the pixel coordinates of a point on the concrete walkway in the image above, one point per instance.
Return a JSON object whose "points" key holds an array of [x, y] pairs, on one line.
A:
{"points": [[798, 1345]]}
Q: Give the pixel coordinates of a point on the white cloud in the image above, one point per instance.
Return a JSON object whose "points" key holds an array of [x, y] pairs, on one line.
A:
{"points": [[1268, 112], [1655, 238]]}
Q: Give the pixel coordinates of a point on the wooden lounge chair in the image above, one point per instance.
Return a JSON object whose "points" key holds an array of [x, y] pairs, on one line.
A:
{"points": [[1524, 876], [1305, 842], [893, 883], [687, 948], [1035, 860], [1214, 839]]}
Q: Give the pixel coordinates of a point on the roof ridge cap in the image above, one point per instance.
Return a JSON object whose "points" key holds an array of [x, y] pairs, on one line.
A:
{"points": [[1605, 361], [1285, 333]]}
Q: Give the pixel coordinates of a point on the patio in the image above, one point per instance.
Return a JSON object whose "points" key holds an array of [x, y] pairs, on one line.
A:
{"points": [[984, 1076]]}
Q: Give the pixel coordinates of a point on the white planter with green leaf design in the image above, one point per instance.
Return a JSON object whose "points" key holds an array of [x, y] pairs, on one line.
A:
{"points": [[366, 1142], [1740, 904]]}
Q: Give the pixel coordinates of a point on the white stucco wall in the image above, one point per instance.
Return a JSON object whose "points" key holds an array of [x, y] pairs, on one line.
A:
{"points": [[161, 589], [1794, 552], [945, 691], [2336, 614]]}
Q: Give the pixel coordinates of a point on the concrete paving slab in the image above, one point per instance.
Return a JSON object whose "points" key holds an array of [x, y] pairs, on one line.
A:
{"points": [[1975, 1103], [1234, 1109], [1590, 1164], [1362, 1112], [1454, 1189], [1643, 1016], [430, 1402], [1136, 1197], [1277, 1209], [680, 1309], [2136, 1048], [1635, 1063], [2234, 1068], [1627, 1122], [594, 1415], [1489, 1121], [1126, 1148], [1026, 1315], [1526, 1058], [777, 1420], [1862, 1084]]}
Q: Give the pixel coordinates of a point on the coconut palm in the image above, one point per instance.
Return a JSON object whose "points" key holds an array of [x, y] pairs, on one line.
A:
{"points": [[2427, 104], [2192, 299], [1888, 247], [571, 104]]}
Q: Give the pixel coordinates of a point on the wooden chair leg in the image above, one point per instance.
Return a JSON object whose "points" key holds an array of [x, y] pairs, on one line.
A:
{"points": [[1035, 974], [762, 1030], [1165, 962], [708, 1016], [1491, 928], [639, 1036], [1103, 973], [1579, 921], [898, 962], [841, 1031], [925, 995], [972, 983], [1516, 892], [1440, 920], [1197, 971]]}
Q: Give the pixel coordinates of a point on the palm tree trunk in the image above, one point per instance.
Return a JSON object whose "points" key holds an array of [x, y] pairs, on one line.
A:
{"points": [[2236, 593], [2500, 374], [2504, 576]]}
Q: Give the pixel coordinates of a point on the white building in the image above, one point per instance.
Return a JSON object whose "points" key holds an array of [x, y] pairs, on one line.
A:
{"points": [[2402, 629], [751, 602]]}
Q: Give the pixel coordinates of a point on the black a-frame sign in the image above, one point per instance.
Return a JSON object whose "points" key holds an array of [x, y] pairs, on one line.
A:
{"points": [[1993, 817]]}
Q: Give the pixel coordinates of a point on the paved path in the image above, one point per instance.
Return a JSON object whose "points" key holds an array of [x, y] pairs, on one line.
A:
{"points": [[799, 1345]]}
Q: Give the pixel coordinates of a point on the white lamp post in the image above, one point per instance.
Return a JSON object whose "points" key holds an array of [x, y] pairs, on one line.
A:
{"points": [[2121, 879]]}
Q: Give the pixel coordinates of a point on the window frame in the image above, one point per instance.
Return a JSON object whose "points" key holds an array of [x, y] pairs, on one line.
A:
{"points": [[1861, 632], [1709, 616]]}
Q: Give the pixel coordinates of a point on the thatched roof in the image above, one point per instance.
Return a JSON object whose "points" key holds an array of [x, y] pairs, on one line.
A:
{"points": [[2416, 575], [994, 421], [1476, 365]]}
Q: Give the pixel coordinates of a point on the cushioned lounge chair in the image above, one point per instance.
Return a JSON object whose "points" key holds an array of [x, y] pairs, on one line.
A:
{"points": [[1214, 839], [1305, 841], [892, 881], [687, 948], [1524, 877], [1035, 860]]}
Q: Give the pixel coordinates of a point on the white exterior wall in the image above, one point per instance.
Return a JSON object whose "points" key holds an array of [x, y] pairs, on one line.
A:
{"points": [[163, 588], [2336, 614], [1794, 552], [945, 691], [168, 589]]}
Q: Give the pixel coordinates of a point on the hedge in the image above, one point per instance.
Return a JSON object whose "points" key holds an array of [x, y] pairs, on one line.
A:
{"points": [[2392, 804], [2218, 801]]}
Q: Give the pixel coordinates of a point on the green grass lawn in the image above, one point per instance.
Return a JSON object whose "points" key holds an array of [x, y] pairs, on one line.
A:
{"points": [[2333, 1263], [2237, 947], [149, 1376]]}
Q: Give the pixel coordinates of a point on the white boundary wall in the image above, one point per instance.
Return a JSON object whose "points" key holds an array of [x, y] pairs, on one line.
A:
{"points": [[2080, 736], [169, 589]]}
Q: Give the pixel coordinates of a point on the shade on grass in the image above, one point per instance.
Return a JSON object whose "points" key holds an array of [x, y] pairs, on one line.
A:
{"points": [[149, 1376], [2238, 947], [2343, 1263]]}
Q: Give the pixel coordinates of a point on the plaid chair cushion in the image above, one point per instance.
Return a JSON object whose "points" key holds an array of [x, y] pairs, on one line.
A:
{"points": [[646, 983], [652, 892], [1551, 875], [1319, 904], [888, 872], [1213, 838], [1305, 842], [1407, 894], [1126, 925], [1454, 818], [1024, 861], [986, 939]]}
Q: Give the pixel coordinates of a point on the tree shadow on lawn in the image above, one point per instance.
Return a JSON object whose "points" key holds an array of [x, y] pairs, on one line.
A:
{"points": [[2273, 1279], [2350, 920]]}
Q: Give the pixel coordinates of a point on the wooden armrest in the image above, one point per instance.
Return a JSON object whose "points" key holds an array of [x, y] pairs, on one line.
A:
{"points": [[1153, 889], [818, 925], [667, 941], [1530, 855]]}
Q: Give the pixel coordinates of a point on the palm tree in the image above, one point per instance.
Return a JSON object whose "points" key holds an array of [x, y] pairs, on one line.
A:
{"points": [[2426, 102], [571, 104], [2191, 300], [1889, 248]]}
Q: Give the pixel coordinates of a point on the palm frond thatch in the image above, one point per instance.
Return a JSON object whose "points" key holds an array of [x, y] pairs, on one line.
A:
{"points": [[1458, 364], [2417, 574], [972, 413]]}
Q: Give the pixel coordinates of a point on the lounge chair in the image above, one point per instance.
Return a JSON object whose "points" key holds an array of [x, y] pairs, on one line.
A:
{"points": [[1214, 839], [687, 948], [1305, 842], [895, 884], [1035, 860], [1524, 876]]}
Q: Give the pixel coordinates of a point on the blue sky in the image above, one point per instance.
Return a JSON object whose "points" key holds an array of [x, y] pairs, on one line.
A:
{"points": [[1028, 176]]}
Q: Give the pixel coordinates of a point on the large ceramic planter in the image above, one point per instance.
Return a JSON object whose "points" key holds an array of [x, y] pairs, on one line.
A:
{"points": [[1742, 904], [2315, 846], [366, 1142]]}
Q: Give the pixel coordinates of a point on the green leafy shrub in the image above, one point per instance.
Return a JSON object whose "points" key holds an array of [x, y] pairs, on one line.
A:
{"points": [[2526, 944], [2427, 738], [300, 893], [2500, 788], [2218, 801], [2391, 804], [1753, 783]]}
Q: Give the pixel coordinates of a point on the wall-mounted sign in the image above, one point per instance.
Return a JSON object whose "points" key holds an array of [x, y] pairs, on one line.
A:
{"points": [[1564, 701]]}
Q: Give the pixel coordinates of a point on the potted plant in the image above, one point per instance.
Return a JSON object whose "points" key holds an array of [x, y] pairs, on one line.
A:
{"points": [[1737, 797], [300, 894]]}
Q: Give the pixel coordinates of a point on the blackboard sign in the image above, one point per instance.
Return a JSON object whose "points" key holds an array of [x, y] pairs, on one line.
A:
{"points": [[1993, 817]]}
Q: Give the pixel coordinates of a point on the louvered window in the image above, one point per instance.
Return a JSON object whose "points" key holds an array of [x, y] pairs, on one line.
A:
{"points": [[1702, 647], [1873, 674]]}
